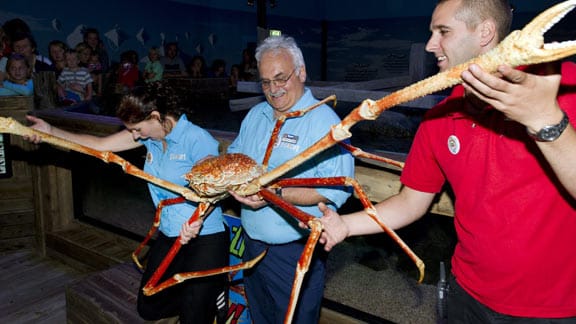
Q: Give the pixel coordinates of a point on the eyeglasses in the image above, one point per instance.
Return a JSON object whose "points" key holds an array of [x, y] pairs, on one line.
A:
{"points": [[277, 82]]}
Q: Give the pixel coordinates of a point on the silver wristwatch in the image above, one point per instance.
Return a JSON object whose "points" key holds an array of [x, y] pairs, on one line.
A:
{"points": [[552, 132]]}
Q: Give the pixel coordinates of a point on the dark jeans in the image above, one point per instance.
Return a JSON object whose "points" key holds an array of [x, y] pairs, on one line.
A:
{"points": [[268, 284], [463, 308], [194, 300]]}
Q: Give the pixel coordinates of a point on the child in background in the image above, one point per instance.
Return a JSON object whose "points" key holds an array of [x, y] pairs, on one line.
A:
{"points": [[95, 69], [153, 70], [56, 53], [83, 51], [3, 47], [218, 69], [128, 74], [234, 78], [3, 41], [75, 82], [197, 67], [18, 77]]}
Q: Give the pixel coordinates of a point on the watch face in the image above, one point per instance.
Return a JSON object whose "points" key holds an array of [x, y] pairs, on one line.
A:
{"points": [[549, 133]]}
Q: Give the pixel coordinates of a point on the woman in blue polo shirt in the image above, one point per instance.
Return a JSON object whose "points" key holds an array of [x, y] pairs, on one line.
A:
{"points": [[153, 118]]}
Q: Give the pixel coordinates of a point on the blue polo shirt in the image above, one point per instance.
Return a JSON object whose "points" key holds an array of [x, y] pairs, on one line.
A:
{"points": [[186, 144], [269, 224]]}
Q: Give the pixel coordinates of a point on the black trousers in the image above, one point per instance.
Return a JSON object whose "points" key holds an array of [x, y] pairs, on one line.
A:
{"points": [[464, 309], [194, 300]]}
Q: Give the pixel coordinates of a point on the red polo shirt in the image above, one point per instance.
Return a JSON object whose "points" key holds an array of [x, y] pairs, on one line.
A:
{"points": [[516, 226]]}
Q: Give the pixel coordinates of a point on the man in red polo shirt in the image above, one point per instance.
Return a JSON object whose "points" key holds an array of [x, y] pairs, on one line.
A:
{"points": [[505, 144]]}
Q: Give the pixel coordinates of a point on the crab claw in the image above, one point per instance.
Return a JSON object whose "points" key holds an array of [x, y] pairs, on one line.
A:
{"points": [[521, 47], [526, 46]]}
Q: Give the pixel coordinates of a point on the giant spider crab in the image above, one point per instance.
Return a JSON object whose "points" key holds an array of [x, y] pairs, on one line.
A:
{"points": [[211, 180]]}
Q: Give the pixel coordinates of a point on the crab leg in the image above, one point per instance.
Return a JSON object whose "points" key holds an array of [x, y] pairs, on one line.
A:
{"points": [[369, 207], [316, 228], [153, 281], [304, 261], [523, 47], [11, 126], [280, 122], [152, 286], [302, 267], [155, 224], [180, 277], [358, 152]]}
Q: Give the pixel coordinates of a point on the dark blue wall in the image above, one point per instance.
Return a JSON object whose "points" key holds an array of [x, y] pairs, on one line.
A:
{"points": [[371, 40], [336, 10]]}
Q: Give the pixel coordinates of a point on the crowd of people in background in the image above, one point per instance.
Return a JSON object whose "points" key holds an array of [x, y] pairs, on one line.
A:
{"points": [[96, 77]]}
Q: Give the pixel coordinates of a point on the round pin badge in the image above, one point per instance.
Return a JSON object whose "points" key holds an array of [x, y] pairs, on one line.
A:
{"points": [[453, 144]]}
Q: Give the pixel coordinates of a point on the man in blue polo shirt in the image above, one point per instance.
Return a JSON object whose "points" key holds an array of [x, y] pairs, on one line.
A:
{"points": [[268, 285]]}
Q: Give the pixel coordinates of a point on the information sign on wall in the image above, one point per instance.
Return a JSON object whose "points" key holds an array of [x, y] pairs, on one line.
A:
{"points": [[5, 163]]}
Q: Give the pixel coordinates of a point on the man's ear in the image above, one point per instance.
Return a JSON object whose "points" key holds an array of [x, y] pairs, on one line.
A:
{"points": [[488, 32], [302, 74], [155, 115]]}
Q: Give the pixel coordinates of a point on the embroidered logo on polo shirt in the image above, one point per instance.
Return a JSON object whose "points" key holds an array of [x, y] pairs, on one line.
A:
{"points": [[149, 157], [453, 144]]}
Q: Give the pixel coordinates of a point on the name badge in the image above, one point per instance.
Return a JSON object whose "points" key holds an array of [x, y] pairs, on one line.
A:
{"points": [[177, 157]]}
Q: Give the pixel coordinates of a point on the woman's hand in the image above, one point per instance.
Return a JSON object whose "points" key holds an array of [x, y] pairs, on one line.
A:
{"points": [[40, 125], [190, 231]]}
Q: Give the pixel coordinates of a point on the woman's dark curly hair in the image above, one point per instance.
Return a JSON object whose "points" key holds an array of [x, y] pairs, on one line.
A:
{"points": [[142, 101]]}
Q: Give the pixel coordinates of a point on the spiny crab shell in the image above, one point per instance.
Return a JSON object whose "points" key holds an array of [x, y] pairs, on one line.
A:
{"points": [[214, 176]]}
